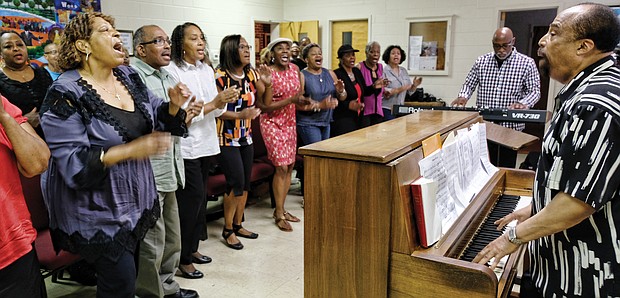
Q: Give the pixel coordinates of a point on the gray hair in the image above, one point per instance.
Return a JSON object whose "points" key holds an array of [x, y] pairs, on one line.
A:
{"points": [[370, 45]]}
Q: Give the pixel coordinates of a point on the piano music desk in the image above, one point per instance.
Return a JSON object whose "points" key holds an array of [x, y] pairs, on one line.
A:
{"points": [[505, 143], [359, 235]]}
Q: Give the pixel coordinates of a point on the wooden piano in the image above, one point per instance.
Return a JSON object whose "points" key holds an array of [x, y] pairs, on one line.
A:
{"points": [[360, 238]]}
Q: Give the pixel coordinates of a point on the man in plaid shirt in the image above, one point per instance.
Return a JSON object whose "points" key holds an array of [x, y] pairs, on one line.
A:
{"points": [[507, 79]]}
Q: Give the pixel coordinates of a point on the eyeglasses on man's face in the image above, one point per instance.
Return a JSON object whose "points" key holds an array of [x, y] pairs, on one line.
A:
{"points": [[244, 47], [159, 41], [505, 46], [52, 52]]}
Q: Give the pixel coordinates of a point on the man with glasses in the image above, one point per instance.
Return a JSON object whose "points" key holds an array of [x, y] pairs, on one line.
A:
{"points": [[506, 78], [51, 55], [160, 251]]}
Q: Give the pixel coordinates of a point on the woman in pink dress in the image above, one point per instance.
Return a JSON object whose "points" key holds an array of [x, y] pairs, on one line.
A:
{"points": [[278, 126]]}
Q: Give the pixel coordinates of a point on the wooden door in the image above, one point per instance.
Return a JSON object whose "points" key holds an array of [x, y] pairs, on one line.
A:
{"points": [[352, 32], [297, 30]]}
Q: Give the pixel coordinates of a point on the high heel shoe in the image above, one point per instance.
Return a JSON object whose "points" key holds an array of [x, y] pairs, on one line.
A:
{"points": [[201, 260], [189, 275], [226, 234], [236, 228]]}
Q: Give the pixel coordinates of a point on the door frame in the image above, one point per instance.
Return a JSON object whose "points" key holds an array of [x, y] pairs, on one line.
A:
{"points": [[327, 47]]}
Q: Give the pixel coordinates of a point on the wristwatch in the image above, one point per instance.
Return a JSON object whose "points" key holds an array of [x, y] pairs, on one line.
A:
{"points": [[512, 236]]}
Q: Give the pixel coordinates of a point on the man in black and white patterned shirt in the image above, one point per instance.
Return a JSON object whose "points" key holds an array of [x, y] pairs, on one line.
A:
{"points": [[506, 79], [574, 221]]}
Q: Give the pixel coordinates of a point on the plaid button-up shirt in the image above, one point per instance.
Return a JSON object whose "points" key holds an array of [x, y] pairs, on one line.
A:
{"points": [[517, 80]]}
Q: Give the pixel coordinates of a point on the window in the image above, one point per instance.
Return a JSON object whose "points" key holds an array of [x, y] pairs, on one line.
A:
{"points": [[347, 37]]}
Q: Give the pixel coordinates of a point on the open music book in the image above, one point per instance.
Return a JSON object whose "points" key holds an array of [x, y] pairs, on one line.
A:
{"points": [[451, 177]]}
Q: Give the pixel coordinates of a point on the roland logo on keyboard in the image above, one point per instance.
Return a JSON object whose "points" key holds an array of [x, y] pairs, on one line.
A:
{"points": [[521, 115]]}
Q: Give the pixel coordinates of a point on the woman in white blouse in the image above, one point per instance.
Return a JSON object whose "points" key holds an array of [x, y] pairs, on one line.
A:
{"points": [[188, 51], [399, 80]]}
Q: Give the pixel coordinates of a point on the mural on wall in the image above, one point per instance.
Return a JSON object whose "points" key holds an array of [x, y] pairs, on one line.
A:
{"points": [[40, 22]]}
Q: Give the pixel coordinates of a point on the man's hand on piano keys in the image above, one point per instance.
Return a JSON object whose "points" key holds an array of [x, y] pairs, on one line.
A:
{"points": [[517, 106], [496, 250], [459, 102], [520, 216]]}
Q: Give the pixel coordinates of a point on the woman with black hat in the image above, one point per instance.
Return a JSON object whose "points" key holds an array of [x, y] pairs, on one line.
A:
{"points": [[347, 113]]}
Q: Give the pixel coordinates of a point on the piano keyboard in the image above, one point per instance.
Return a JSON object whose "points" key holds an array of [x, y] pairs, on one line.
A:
{"points": [[489, 114], [487, 231]]}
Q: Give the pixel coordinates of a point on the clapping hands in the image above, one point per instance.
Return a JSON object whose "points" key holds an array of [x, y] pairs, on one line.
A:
{"points": [[265, 74]]}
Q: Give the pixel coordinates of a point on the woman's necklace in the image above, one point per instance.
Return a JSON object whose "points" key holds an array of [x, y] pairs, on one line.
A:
{"points": [[238, 77], [351, 75], [317, 73], [115, 94], [19, 72]]}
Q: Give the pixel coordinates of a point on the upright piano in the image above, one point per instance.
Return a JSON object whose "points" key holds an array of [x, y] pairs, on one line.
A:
{"points": [[360, 239]]}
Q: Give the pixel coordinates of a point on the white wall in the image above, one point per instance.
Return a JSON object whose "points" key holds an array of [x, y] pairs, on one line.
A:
{"points": [[474, 24], [216, 18]]}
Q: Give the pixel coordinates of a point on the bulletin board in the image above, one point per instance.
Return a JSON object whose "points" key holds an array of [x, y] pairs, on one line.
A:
{"points": [[429, 44]]}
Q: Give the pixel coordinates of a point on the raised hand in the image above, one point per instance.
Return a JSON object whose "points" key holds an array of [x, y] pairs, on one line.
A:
{"points": [[459, 102], [519, 215], [33, 117], [356, 106], [155, 143], [249, 113], [328, 103], [302, 100], [179, 94], [339, 84], [265, 74], [380, 83], [417, 81], [518, 106], [227, 95], [193, 109]]}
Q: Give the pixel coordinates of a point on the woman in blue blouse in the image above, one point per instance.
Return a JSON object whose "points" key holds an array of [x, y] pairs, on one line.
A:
{"points": [[324, 90], [100, 122]]}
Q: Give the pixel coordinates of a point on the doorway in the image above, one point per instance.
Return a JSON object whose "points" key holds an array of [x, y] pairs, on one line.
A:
{"points": [[262, 37], [528, 26], [354, 33]]}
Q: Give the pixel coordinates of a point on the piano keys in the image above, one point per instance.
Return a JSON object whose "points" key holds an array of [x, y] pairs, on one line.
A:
{"points": [[488, 232], [360, 238], [489, 114]]}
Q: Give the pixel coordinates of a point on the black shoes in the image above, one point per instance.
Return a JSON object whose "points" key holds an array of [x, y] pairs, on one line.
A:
{"points": [[236, 228], [189, 275], [183, 293], [226, 233], [201, 260]]}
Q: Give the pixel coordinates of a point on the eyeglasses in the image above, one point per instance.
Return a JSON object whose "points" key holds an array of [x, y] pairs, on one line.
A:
{"points": [[52, 52], [502, 46], [245, 47], [158, 41]]}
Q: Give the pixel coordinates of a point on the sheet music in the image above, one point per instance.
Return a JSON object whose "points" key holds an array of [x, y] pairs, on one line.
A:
{"points": [[432, 167], [484, 150], [461, 168]]}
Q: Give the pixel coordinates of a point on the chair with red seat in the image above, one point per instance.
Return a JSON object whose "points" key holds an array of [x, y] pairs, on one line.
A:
{"points": [[262, 169], [52, 264]]}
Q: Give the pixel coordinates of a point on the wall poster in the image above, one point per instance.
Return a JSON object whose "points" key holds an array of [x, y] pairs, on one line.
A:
{"points": [[40, 22]]}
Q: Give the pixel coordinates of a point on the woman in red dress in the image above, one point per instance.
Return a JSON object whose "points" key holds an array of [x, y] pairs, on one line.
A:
{"points": [[278, 124]]}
